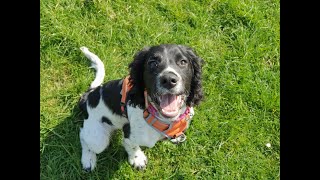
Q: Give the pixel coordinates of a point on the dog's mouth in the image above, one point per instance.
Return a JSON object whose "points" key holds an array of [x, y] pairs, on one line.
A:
{"points": [[170, 104]]}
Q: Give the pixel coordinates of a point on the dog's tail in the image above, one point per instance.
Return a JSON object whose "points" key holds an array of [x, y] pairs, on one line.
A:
{"points": [[97, 64]]}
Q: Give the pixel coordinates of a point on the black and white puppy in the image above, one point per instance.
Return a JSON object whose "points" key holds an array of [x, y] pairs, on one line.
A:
{"points": [[171, 76]]}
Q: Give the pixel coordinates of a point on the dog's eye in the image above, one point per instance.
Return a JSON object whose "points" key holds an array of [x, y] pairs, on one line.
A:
{"points": [[183, 62], [153, 63]]}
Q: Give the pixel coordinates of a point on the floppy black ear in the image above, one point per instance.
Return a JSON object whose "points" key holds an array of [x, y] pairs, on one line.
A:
{"points": [[136, 77], [196, 92]]}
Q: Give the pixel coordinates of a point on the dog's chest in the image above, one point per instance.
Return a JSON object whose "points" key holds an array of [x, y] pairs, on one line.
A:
{"points": [[140, 132]]}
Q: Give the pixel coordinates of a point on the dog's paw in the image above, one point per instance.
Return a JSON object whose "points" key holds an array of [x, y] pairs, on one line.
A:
{"points": [[88, 161], [138, 160]]}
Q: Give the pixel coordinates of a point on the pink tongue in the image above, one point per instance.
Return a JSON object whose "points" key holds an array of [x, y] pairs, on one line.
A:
{"points": [[169, 102]]}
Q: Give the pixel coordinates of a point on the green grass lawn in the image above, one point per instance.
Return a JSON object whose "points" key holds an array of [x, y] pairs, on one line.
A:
{"points": [[238, 39]]}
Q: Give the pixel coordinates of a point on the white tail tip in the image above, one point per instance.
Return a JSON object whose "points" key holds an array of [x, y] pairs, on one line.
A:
{"points": [[97, 64]]}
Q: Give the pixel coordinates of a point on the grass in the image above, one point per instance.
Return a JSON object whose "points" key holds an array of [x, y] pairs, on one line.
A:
{"points": [[238, 39]]}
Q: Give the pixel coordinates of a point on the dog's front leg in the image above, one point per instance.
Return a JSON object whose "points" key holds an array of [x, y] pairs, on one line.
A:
{"points": [[138, 133], [136, 157]]}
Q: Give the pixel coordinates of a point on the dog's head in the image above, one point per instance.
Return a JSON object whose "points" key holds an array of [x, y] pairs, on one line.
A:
{"points": [[171, 74]]}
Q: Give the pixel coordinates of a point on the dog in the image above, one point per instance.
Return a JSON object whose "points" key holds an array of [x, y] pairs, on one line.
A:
{"points": [[154, 102]]}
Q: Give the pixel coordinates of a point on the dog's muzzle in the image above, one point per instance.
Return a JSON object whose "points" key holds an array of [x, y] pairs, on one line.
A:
{"points": [[168, 80]]}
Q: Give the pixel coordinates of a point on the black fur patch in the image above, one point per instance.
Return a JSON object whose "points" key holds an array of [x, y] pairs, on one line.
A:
{"points": [[94, 97], [106, 120], [126, 130], [83, 104], [136, 95], [111, 95]]}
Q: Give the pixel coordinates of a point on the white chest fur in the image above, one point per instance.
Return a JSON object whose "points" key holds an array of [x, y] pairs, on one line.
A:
{"points": [[140, 132]]}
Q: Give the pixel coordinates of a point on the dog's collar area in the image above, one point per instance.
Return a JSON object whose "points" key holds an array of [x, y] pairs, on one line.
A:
{"points": [[172, 131], [126, 86]]}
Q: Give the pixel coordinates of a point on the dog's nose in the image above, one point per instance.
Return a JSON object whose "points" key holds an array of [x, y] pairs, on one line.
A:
{"points": [[169, 80]]}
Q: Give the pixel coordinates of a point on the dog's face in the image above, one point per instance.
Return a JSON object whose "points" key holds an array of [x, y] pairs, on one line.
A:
{"points": [[167, 77], [171, 74]]}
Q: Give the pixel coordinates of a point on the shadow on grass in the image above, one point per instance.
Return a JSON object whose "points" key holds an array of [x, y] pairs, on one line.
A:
{"points": [[61, 153]]}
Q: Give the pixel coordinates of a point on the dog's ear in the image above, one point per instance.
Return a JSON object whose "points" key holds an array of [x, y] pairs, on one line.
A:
{"points": [[136, 77], [137, 67], [196, 92]]}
